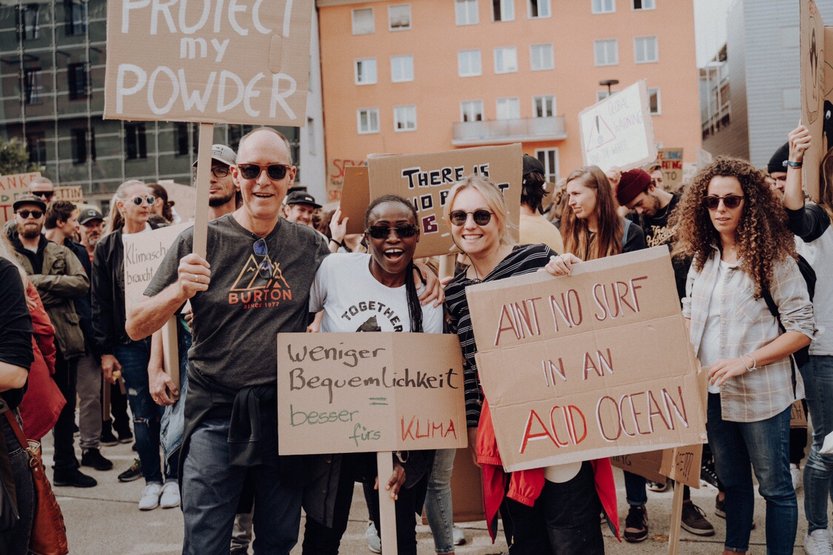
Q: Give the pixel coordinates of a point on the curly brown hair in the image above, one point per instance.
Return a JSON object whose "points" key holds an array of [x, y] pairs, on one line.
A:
{"points": [[763, 236]]}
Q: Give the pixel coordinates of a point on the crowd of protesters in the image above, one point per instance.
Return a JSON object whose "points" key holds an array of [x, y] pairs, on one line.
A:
{"points": [[743, 241]]}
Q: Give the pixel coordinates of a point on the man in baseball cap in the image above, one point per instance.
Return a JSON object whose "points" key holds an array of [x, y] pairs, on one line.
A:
{"points": [[222, 193], [299, 207]]}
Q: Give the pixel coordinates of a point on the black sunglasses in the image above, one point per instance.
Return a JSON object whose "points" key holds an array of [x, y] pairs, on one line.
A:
{"points": [[383, 232], [150, 199], [729, 201], [34, 213], [265, 268], [481, 217], [252, 171], [44, 194]]}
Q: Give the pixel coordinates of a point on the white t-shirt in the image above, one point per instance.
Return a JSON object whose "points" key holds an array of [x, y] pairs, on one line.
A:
{"points": [[710, 345], [354, 301]]}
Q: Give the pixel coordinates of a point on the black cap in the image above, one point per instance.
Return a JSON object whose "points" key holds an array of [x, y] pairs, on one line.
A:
{"points": [[777, 164], [88, 215], [28, 199], [301, 197]]}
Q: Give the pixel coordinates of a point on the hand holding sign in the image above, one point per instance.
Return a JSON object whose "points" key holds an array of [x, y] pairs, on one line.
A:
{"points": [[194, 275]]}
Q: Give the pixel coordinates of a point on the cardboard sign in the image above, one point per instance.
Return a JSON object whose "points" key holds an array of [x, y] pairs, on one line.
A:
{"points": [[361, 392], [143, 253], [681, 464], [17, 181], [426, 178], [243, 61], [588, 366], [184, 198], [336, 172], [7, 198], [671, 160], [618, 131], [72, 194], [811, 48], [355, 198]]}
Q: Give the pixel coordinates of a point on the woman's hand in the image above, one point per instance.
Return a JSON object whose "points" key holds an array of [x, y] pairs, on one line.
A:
{"points": [[472, 433], [395, 482], [799, 140], [338, 226], [562, 264], [722, 370], [433, 292]]}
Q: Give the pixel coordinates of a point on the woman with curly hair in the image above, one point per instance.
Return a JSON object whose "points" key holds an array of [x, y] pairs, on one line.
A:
{"points": [[736, 233]]}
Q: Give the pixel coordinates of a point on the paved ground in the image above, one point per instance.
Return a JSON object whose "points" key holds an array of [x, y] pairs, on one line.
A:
{"points": [[105, 519]]}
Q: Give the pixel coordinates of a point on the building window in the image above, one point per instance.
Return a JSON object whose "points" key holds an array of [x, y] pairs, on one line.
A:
{"points": [[606, 52], [539, 8], [540, 57], [75, 13], [644, 4], [365, 71], [604, 6], [363, 21], [399, 17], [465, 12], [29, 21], [468, 63], [135, 141], [543, 106], [508, 108], [78, 76], [506, 60], [32, 87], [79, 146], [549, 158], [471, 110], [404, 118], [645, 50], [181, 135], [367, 120], [504, 10], [654, 102], [36, 145], [401, 69]]}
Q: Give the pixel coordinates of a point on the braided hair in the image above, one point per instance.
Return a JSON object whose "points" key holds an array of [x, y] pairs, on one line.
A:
{"points": [[414, 308]]}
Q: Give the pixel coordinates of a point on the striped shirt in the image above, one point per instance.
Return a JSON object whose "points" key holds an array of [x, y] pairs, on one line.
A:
{"points": [[745, 325], [522, 260]]}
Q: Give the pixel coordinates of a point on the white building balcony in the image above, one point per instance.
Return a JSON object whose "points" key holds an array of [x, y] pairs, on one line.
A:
{"points": [[520, 130]]}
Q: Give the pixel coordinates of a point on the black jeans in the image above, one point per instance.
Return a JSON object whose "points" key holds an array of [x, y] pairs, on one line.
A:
{"points": [[65, 378], [564, 520]]}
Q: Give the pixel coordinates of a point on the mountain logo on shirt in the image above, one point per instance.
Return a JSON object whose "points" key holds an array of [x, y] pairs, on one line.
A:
{"points": [[254, 290], [371, 324]]}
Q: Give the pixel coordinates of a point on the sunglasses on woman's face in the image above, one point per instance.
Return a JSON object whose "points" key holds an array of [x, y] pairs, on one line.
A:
{"points": [[729, 201], [275, 172], [150, 199], [481, 217], [403, 231]]}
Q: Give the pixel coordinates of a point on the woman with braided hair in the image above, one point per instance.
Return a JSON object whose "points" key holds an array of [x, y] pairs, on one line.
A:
{"points": [[736, 233]]}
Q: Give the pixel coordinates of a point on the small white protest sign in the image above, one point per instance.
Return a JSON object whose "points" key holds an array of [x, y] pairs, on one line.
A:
{"points": [[618, 132], [143, 254]]}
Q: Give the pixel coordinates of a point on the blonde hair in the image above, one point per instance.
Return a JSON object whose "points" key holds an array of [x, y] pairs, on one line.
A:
{"points": [[7, 252], [494, 201], [115, 221]]}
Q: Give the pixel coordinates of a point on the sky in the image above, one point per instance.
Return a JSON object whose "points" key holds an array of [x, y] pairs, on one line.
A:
{"points": [[709, 27]]}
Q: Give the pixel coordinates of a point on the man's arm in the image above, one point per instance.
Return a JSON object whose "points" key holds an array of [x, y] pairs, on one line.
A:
{"points": [[193, 276], [56, 288], [799, 141]]}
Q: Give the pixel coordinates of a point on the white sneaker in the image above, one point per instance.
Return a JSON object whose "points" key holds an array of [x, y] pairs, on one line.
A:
{"points": [[150, 497], [795, 474], [170, 495], [374, 543], [818, 543], [458, 535]]}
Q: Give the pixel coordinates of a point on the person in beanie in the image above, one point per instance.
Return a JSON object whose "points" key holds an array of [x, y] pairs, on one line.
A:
{"points": [[535, 228]]}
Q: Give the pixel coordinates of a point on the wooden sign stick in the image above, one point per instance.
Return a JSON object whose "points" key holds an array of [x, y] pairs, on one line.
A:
{"points": [[105, 399], [387, 507], [203, 184], [676, 515], [170, 349]]}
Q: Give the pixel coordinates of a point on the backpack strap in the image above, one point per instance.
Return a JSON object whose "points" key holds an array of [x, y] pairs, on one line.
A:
{"points": [[625, 229]]}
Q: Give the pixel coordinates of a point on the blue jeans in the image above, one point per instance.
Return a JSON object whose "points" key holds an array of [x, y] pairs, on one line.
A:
{"points": [[211, 489], [438, 506], [818, 470], [635, 489], [766, 445], [134, 358]]}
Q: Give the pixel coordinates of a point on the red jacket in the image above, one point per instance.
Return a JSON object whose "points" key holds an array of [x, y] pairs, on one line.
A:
{"points": [[525, 486], [43, 401]]}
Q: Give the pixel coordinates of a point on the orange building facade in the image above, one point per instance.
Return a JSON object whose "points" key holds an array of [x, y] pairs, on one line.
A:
{"points": [[434, 75]]}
